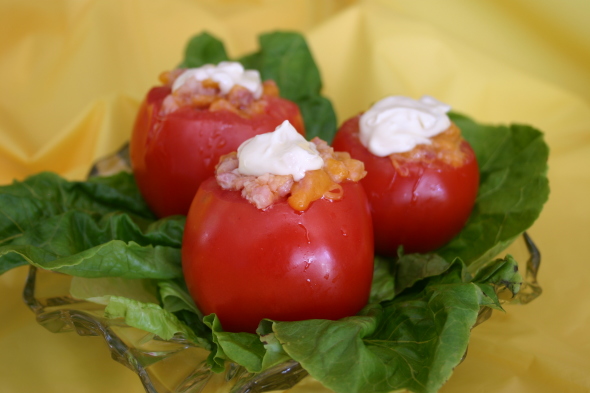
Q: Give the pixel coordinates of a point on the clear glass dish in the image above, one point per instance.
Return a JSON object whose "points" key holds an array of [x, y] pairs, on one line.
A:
{"points": [[176, 365]]}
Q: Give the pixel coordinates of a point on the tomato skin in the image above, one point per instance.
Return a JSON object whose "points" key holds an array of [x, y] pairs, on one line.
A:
{"points": [[171, 155], [246, 264], [421, 211]]}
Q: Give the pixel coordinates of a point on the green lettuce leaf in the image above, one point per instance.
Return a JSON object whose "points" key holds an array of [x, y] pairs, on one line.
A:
{"points": [[413, 341], [245, 349], [203, 49], [177, 300], [274, 353], [411, 268], [383, 285], [151, 318], [513, 189], [285, 58], [256, 352], [175, 297], [97, 228], [46, 194]]}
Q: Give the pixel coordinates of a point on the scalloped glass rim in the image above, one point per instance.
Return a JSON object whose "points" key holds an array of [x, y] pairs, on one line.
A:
{"points": [[176, 365], [163, 366]]}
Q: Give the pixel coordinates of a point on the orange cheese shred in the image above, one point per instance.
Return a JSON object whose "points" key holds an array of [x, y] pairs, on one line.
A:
{"points": [[324, 183], [315, 185]]}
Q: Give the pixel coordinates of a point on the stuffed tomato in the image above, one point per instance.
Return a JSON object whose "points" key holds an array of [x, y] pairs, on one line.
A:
{"points": [[422, 176], [290, 241], [184, 126]]}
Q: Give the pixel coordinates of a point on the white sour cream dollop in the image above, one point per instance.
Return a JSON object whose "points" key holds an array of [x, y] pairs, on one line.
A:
{"points": [[281, 152], [227, 74], [397, 124]]}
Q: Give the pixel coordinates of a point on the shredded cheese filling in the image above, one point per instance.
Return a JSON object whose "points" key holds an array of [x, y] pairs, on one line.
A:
{"points": [[444, 148], [265, 190], [208, 95]]}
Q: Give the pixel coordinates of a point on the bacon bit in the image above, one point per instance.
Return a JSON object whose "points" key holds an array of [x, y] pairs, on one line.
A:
{"points": [[169, 105], [226, 170], [445, 147], [267, 189], [240, 97], [323, 148], [261, 191], [206, 95]]}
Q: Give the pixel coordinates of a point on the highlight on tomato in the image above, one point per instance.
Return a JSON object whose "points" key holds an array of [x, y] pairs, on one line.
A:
{"points": [[422, 176], [197, 115], [283, 231]]}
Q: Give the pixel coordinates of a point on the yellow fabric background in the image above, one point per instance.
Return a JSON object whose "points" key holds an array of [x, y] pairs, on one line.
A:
{"points": [[72, 73]]}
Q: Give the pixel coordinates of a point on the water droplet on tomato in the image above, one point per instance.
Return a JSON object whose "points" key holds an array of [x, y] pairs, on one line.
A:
{"points": [[327, 276], [416, 187], [308, 280], [307, 265], [306, 233]]}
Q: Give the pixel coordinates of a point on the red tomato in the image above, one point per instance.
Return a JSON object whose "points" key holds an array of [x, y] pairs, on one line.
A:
{"points": [[246, 264], [171, 155], [421, 211]]}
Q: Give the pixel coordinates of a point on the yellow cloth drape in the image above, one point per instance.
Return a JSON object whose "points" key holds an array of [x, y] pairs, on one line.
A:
{"points": [[72, 73]]}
